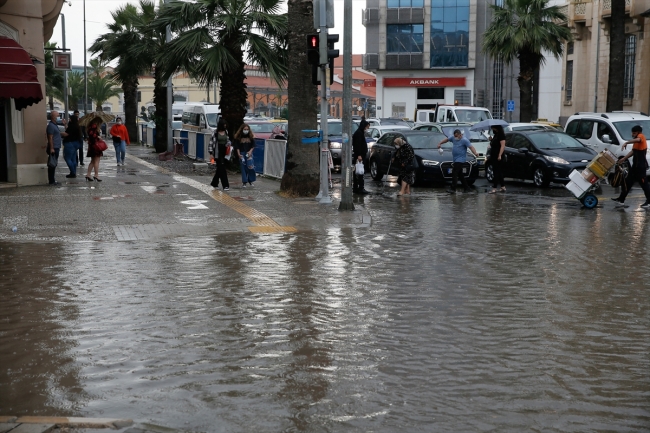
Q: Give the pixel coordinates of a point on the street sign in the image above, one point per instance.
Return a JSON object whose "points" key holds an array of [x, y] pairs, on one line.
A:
{"points": [[62, 61], [511, 105]]}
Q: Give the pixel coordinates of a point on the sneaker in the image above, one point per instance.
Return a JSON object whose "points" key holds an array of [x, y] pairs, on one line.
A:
{"points": [[243, 186], [615, 199], [118, 164], [252, 183], [70, 176], [123, 164], [618, 203], [646, 205], [226, 189]]}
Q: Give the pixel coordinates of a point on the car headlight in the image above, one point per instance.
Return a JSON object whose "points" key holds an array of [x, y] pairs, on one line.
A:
{"points": [[429, 163], [335, 145], [556, 159]]}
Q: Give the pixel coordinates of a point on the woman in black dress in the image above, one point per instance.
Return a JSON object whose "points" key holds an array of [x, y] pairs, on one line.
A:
{"points": [[497, 147], [404, 159], [93, 153], [217, 149]]}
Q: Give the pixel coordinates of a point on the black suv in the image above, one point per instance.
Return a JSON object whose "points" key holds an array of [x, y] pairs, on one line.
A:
{"points": [[542, 156]]}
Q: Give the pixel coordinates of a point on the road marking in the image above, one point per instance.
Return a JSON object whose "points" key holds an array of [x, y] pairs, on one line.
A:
{"points": [[263, 223]]}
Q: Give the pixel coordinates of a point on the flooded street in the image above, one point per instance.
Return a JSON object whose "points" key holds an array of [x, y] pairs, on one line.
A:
{"points": [[507, 313]]}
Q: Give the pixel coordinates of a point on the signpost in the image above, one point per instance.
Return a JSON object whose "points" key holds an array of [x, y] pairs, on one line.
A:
{"points": [[511, 105]]}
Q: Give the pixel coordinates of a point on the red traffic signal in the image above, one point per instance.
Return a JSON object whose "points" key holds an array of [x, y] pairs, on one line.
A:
{"points": [[313, 55]]}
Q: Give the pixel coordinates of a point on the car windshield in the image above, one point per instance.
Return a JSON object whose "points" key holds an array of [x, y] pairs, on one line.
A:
{"points": [[262, 127], [554, 140], [474, 136], [426, 141], [213, 119], [334, 128], [472, 116], [625, 128]]}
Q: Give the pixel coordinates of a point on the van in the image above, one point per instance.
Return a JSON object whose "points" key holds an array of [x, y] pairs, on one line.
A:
{"points": [[200, 117], [177, 110], [453, 114], [600, 131]]}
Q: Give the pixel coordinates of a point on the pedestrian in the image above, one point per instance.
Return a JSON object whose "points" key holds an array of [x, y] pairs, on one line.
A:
{"points": [[459, 148], [497, 147], [217, 148], [53, 144], [120, 140], [405, 160], [639, 166], [245, 143], [71, 144], [80, 158], [94, 153], [359, 154]]}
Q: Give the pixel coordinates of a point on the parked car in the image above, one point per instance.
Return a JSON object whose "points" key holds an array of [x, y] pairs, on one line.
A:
{"points": [[479, 140], [386, 121], [526, 126], [432, 166], [600, 131], [542, 156], [261, 128]]}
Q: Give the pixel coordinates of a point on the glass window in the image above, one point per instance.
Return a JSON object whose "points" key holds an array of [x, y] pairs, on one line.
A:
{"points": [[405, 3], [555, 140], [630, 64], [604, 129], [392, 3], [404, 38], [625, 127], [449, 33], [497, 89], [568, 85], [569, 48], [521, 142], [585, 129], [431, 93], [572, 128]]}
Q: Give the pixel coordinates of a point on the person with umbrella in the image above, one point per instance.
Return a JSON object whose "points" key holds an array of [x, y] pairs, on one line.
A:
{"points": [[94, 153], [496, 149]]}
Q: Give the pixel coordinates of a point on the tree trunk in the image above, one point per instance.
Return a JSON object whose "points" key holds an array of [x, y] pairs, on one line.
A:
{"points": [[528, 63], [51, 102], [160, 116], [233, 89], [130, 89], [301, 176], [616, 77]]}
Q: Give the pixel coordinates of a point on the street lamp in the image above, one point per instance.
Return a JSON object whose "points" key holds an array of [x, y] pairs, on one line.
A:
{"points": [[85, 69]]}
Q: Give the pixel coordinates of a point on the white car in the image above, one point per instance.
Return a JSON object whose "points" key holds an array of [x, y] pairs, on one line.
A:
{"points": [[600, 131], [527, 126]]}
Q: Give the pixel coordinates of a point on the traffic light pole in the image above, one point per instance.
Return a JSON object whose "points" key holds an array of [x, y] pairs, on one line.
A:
{"points": [[346, 167], [324, 194]]}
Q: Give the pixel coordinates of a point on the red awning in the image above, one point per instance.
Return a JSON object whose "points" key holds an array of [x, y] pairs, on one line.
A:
{"points": [[18, 76]]}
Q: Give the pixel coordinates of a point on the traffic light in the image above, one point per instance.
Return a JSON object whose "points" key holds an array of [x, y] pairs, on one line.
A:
{"points": [[313, 54], [331, 52]]}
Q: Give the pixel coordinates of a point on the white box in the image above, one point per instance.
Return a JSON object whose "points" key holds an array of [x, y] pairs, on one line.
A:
{"points": [[580, 181], [575, 189]]}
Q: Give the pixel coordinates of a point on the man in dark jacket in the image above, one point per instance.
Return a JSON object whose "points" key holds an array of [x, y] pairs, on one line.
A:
{"points": [[359, 152]]}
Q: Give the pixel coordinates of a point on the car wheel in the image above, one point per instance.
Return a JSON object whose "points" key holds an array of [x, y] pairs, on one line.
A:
{"points": [[489, 173], [375, 172], [540, 178]]}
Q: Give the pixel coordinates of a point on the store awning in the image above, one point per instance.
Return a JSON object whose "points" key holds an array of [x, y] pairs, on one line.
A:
{"points": [[18, 76]]}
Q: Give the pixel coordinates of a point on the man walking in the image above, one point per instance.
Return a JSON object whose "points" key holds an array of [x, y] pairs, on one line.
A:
{"points": [[637, 173], [80, 160], [359, 152], [53, 144], [459, 156]]}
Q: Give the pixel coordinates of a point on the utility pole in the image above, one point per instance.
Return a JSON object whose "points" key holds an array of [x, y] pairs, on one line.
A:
{"points": [[85, 68], [324, 195], [170, 96], [346, 166], [65, 73]]}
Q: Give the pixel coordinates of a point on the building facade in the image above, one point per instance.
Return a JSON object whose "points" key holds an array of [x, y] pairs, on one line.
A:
{"points": [[22, 132], [586, 59]]}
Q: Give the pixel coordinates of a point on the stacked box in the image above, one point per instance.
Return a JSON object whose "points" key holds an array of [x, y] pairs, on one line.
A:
{"points": [[589, 176], [597, 168], [610, 156], [605, 160], [575, 189], [577, 178]]}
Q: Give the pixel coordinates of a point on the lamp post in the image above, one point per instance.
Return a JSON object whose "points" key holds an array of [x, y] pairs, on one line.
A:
{"points": [[65, 73], [85, 69]]}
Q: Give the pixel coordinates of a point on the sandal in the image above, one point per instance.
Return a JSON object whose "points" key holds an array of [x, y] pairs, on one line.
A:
{"points": [[503, 189], [493, 191]]}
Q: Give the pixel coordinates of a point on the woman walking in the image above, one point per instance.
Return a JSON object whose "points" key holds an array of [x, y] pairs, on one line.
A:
{"points": [[217, 148], [497, 147], [71, 144], [93, 153], [120, 140], [245, 143], [404, 159]]}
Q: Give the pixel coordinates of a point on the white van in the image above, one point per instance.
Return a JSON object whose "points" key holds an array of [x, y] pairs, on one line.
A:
{"points": [[200, 117], [177, 110], [452, 114]]}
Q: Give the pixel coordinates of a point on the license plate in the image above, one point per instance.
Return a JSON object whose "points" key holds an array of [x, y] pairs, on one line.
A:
{"points": [[449, 170]]}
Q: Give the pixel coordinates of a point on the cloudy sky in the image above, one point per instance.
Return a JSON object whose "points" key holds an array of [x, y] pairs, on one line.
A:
{"points": [[98, 14]]}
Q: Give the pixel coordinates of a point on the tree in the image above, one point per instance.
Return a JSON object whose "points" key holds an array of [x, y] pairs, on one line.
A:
{"points": [[616, 77], [101, 89], [53, 78], [301, 174], [76, 88], [125, 32], [214, 39], [523, 30]]}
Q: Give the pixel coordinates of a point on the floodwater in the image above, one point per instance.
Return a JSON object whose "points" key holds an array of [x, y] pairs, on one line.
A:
{"points": [[471, 313]]}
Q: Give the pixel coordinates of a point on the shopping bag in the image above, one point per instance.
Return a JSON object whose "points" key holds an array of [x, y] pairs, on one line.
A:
{"points": [[101, 145], [52, 161], [250, 164], [228, 152], [358, 169]]}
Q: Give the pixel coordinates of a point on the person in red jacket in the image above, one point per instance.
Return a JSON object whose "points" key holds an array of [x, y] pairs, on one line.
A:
{"points": [[120, 140]]}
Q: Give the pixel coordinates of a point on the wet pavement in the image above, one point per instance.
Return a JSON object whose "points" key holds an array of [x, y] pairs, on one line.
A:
{"points": [[506, 312]]}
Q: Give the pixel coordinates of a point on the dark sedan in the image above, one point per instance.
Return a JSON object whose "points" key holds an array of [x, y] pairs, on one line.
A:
{"points": [[432, 166], [542, 156]]}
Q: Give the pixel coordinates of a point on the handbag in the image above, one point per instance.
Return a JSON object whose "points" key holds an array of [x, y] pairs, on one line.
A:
{"points": [[52, 161], [619, 176], [358, 169], [101, 145], [250, 164], [228, 152]]}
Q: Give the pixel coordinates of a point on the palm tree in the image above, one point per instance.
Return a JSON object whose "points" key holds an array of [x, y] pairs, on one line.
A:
{"points": [[301, 174], [101, 89], [214, 39], [53, 78], [124, 33], [76, 88], [616, 77], [523, 30]]}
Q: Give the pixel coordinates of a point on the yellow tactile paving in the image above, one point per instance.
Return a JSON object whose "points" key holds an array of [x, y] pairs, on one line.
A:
{"points": [[263, 223]]}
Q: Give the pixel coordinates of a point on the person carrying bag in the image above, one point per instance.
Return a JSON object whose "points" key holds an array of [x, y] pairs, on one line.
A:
{"points": [[218, 148]]}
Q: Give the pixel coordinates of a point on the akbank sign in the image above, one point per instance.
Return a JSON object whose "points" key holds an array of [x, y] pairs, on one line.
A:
{"points": [[424, 82]]}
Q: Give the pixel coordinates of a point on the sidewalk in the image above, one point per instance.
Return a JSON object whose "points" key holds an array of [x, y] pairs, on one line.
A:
{"points": [[145, 200]]}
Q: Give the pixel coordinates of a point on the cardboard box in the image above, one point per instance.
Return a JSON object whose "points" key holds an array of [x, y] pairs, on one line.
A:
{"points": [[577, 179], [575, 189]]}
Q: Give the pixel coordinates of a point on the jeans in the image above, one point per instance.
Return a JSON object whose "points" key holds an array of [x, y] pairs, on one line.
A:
{"points": [[458, 171], [51, 170], [247, 174], [70, 156], [120, 151]]}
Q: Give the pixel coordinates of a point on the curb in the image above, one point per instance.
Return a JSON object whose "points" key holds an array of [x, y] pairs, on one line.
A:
{"points": [[47, 423]]}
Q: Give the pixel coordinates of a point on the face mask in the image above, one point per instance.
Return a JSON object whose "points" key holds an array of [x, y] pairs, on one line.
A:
{"points": [[397, 146], [245, 131]]}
